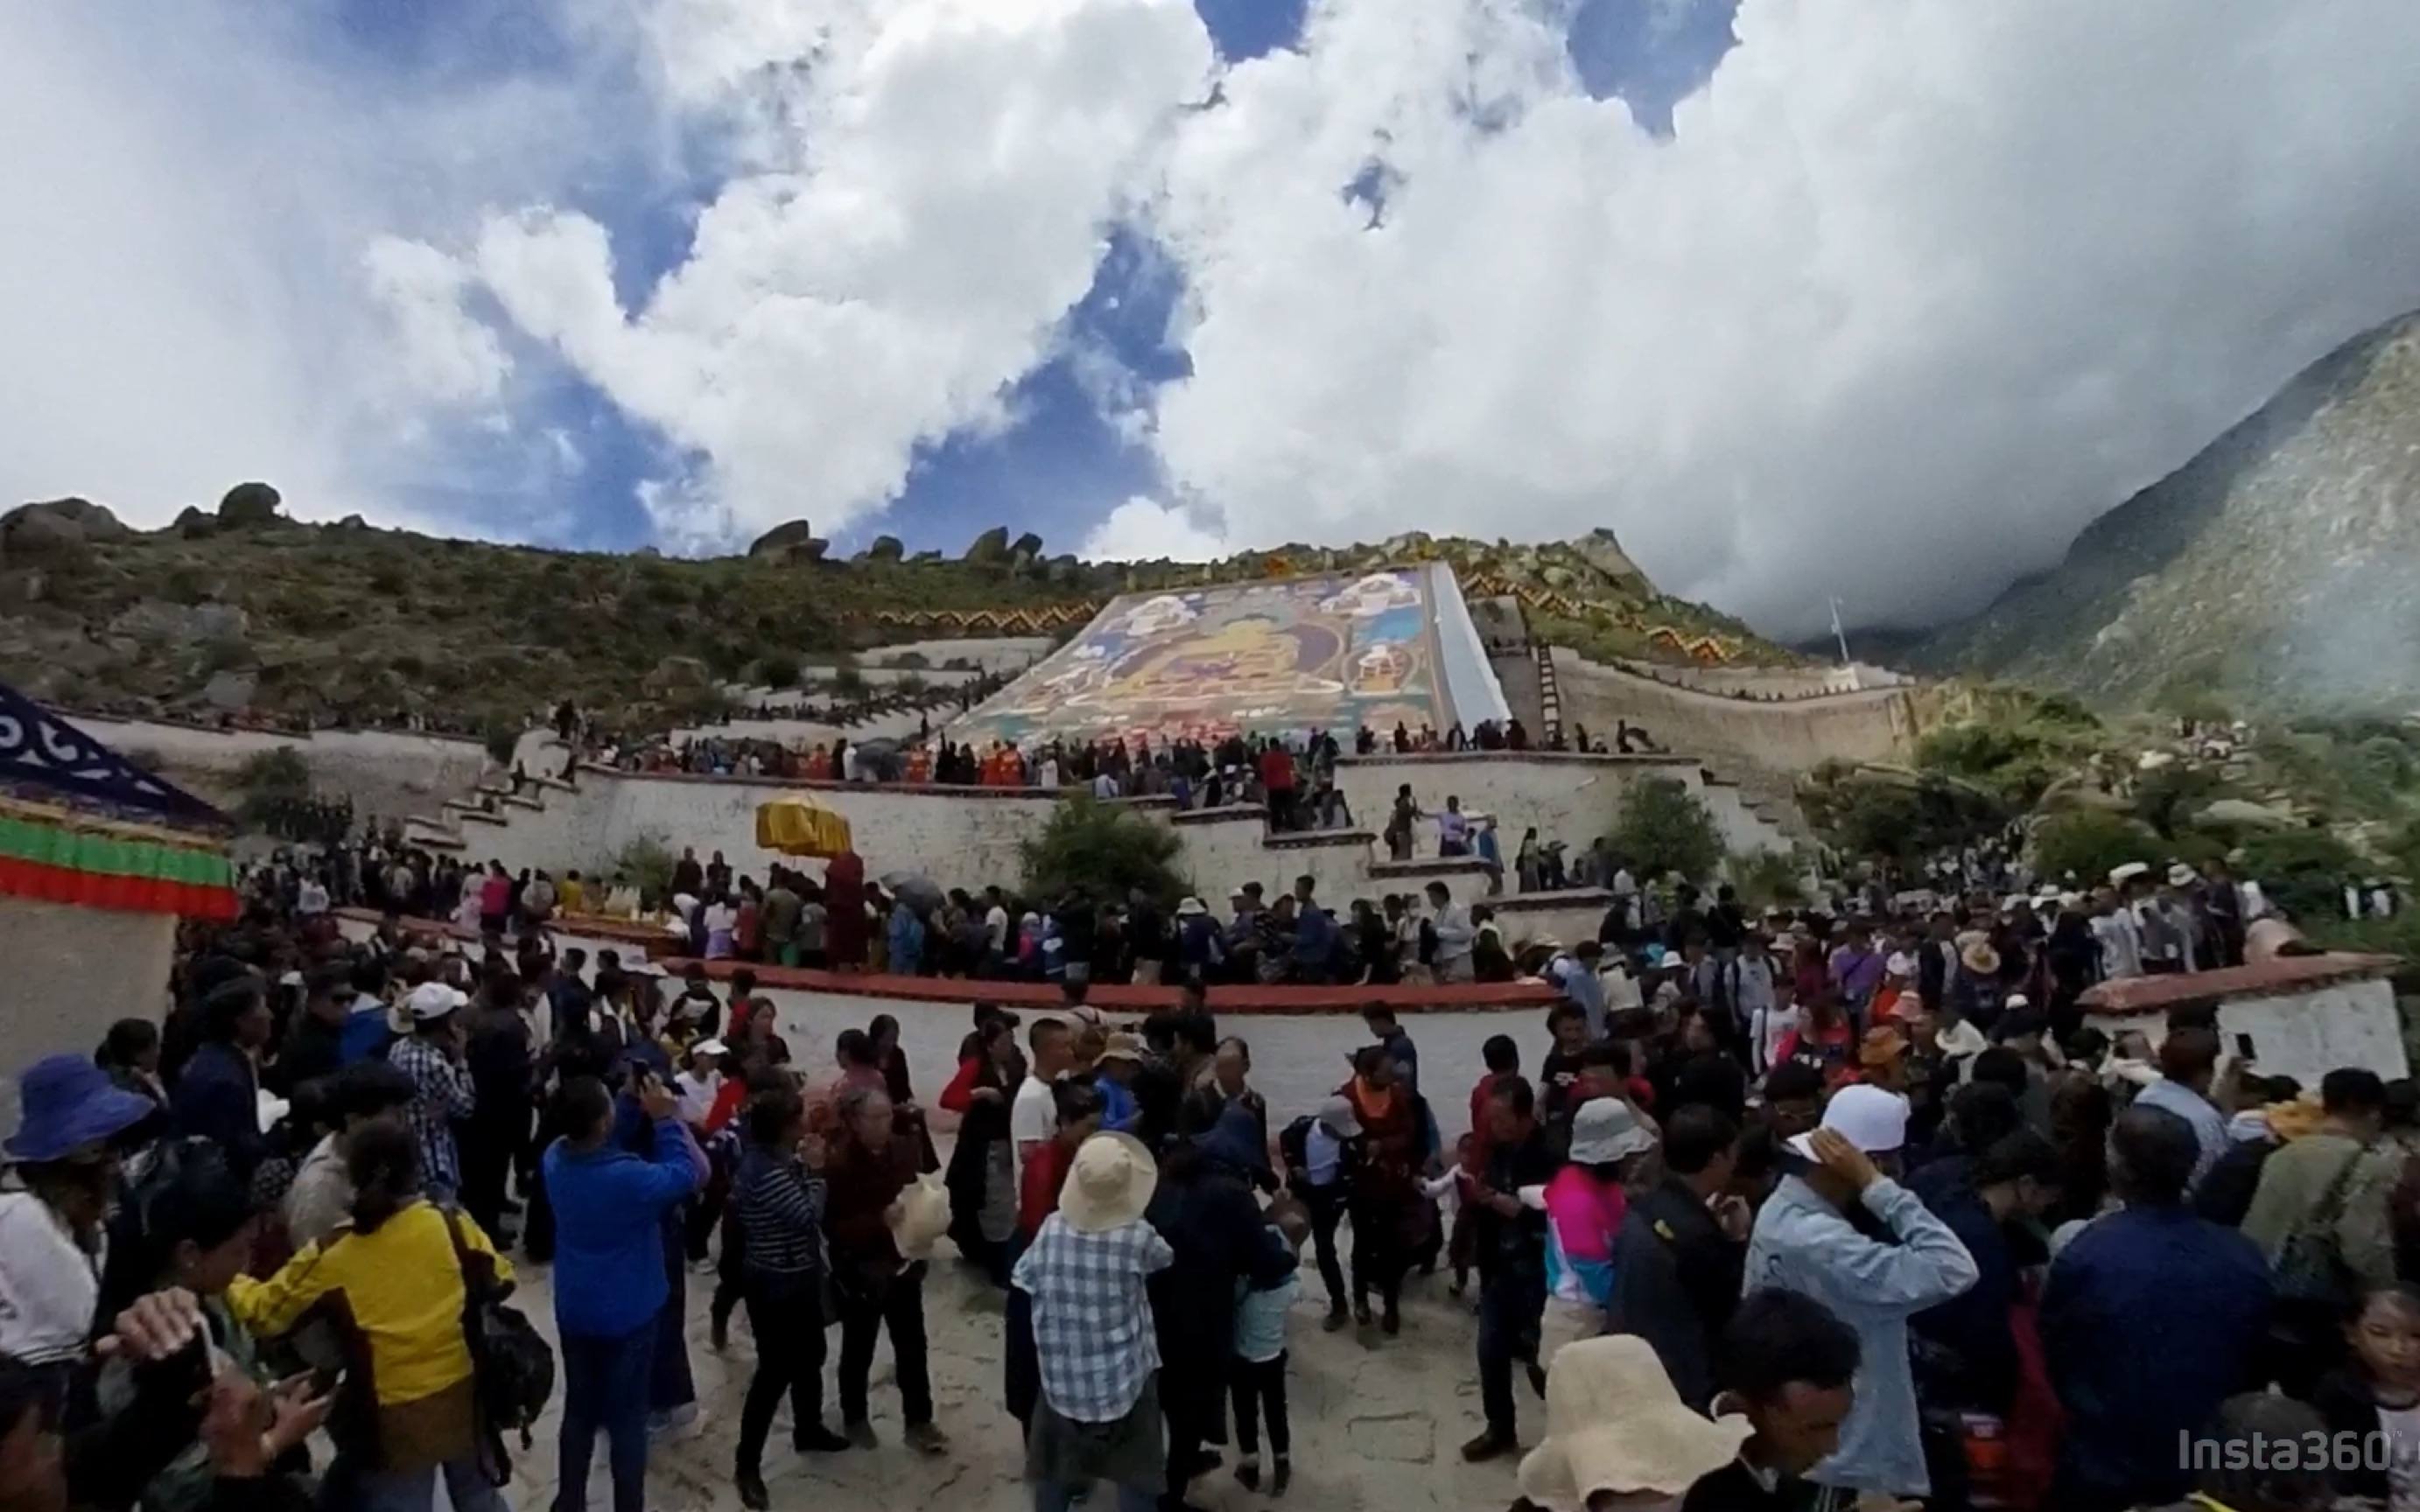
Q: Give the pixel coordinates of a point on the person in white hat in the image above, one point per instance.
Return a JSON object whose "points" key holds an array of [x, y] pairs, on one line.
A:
{"points": [[1618, 1435], [431, 1053], [1094, 1338], [1804, 1242]]}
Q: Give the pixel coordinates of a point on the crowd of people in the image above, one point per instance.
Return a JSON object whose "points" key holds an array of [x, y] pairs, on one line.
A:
{"points": [[1801, 1209]]}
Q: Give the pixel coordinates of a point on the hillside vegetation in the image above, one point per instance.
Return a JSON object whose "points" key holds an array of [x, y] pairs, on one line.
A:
{"points": [[2281, 565], [242, 611]]}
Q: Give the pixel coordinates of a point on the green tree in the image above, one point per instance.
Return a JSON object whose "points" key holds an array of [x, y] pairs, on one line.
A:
{"points": [[1897, 815], [647, 864], [1104, 850], [2090, 842], [273, 789], [1660, 826], [2302, 870], [779, 671], [500, 738]]}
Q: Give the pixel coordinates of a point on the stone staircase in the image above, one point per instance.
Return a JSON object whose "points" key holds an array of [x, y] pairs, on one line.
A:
{"points": [[491, 802], [1550, 699]]}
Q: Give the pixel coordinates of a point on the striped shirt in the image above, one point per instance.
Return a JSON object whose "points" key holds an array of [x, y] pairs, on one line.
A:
{"points": [[780, 1207]]}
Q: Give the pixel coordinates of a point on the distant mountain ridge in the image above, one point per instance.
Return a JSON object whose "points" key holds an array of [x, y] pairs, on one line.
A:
{"points": [[2280, 566]]}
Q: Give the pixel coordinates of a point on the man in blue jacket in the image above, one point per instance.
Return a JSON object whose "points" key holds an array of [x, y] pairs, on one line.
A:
{"points": [[609, 1250], [218, 1097], [2150, 1321]]}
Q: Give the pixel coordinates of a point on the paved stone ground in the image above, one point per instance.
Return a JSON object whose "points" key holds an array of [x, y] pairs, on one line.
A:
{"points": [[1378, 1423]]}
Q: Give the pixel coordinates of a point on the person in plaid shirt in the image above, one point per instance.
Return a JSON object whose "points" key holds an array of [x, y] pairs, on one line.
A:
{"points": [[431, 1056], [1099, 1418]]}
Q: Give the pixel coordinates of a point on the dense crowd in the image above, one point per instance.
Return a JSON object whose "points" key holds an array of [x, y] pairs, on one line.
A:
{"points": [[1780, 1210]]}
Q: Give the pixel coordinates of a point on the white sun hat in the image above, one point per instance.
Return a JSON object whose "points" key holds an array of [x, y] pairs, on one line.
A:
{"points": [[1615, 1424], [1108, 1184]]}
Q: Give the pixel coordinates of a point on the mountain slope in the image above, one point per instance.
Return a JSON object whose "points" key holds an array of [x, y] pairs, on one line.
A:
{"points": [[2281, 565], [244, 612]]}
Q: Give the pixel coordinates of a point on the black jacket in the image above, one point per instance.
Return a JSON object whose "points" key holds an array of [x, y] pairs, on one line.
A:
{"points": [[1676, 1281]]}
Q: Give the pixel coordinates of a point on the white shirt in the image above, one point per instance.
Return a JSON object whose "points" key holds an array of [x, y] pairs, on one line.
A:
{"points": [[1105, 786], [721, 918], [1032, 1118], [1050, 773], [2401, 1425], [996, 926], [697, 1094], [49, 1287], [310, 898], [2121, 945]]}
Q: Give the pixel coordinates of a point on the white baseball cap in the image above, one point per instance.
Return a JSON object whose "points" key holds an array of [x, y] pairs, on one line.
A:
{"points": [[434, 1000], [1873, 1119]]}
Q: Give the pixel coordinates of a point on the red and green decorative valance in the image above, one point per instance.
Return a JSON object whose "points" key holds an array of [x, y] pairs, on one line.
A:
{"points": [[53, 856]]}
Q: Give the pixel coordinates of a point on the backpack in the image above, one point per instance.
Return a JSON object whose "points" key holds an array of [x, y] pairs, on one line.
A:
{"points": [[2310, 1266], [1293, 1144], [512, 1367]]}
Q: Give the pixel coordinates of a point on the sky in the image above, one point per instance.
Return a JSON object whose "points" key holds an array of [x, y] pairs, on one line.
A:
{"points": [[1881, 302]]}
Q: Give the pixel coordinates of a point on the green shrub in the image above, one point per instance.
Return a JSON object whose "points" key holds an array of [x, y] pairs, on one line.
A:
{"points": [[282, 771], [647, 864], [1104, 851], [2089, 843], [1660, 826], [2302, 870], [778, 670]]}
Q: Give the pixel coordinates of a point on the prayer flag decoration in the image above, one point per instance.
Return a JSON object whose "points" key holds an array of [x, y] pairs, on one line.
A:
{"points": [[79, 825]]}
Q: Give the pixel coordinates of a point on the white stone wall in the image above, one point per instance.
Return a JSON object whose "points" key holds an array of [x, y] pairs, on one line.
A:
{"points": [[387, 773], [73, 972], [2301, 1035], [970, 838], [1567, 796]]}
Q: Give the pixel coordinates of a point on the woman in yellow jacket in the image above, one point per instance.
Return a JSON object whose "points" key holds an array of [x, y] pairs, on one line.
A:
{"points": [[391, 1281]]}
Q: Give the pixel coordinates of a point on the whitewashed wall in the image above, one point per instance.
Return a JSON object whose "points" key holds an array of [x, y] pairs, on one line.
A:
{"points": [[2301, 1035]]}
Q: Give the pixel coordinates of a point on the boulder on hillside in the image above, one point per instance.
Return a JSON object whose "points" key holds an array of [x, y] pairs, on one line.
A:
{"points": [[33, 532], [673, 674], [1601, 549], [800, 554], [352, 522], [991, 546], [1066, 572], [1028, 546], [230, 691], [886, 549], [927, 556], [781, 537], [93, 520], [250, 504], [193, 525]]}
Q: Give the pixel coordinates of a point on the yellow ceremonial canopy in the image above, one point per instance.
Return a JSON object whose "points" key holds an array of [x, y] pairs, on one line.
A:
{"points": [[800, 826]]}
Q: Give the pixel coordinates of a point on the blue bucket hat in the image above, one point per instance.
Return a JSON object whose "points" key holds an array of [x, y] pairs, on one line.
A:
{"points": [[67, 1102]]}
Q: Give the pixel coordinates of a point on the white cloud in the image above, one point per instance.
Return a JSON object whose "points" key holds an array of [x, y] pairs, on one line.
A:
{"points": [[1144, 529], [1917, 292], [446, 354], [201, 280], [930, 182]]}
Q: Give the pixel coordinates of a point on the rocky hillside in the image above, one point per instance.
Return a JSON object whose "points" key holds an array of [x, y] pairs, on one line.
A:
{"points": [[2280, 567], [243, 612]]}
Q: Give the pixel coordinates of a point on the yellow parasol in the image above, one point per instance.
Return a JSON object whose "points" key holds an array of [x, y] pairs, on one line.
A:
{"points": [[798, 827]]}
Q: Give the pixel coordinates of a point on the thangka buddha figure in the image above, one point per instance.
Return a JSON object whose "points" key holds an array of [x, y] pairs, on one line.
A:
{"points": [[1252, 655], [1381, 669]]}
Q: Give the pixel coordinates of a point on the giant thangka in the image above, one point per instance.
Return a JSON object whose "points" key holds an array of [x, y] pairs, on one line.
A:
{"points": [[1288, 657]]}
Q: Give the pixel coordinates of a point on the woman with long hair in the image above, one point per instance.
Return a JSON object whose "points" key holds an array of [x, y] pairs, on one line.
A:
{"points": [[393, 1283], [982, 1167]]}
